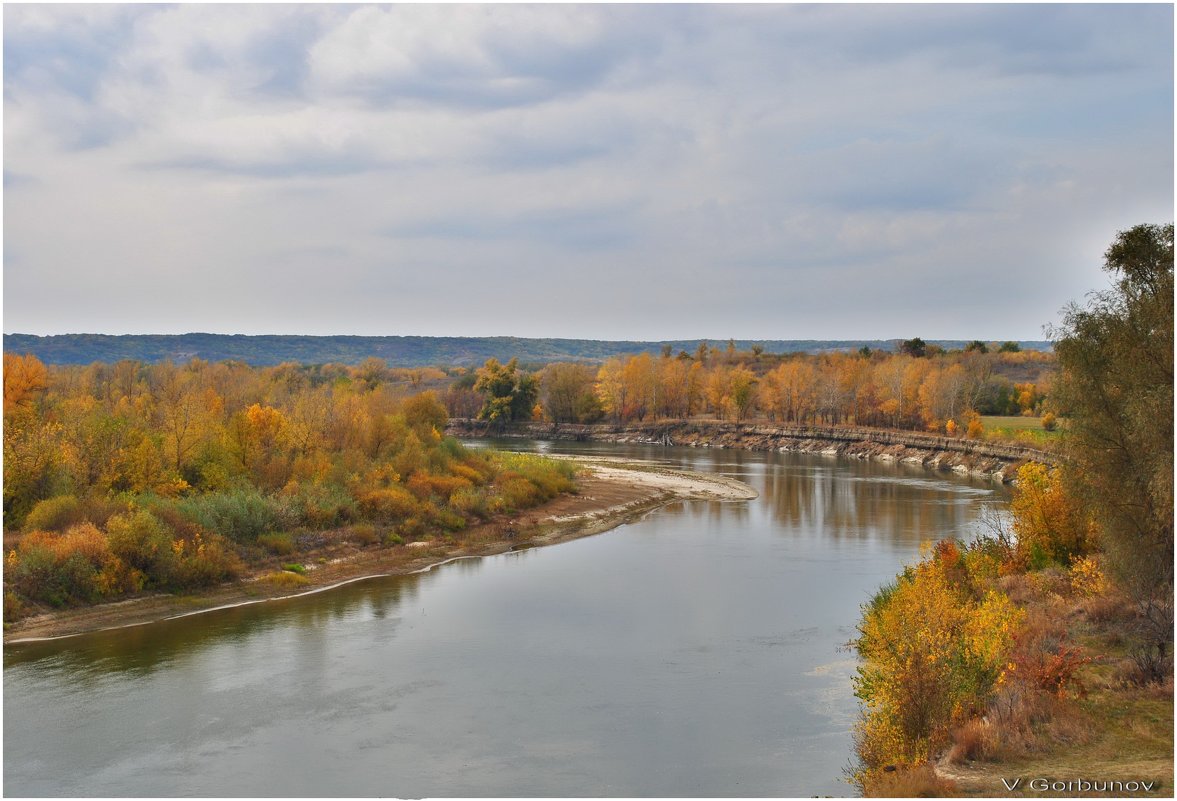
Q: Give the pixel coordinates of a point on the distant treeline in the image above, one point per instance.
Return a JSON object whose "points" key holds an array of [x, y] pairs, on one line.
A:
{"points": [[920, 387], [401, 351]]}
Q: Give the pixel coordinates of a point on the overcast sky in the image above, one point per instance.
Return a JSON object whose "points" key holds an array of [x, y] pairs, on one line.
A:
{"points": [[610, 172]]}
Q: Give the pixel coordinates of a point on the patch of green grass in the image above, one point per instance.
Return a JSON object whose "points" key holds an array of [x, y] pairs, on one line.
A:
{"points": [[1011, 422], [1026, 431], [294, 567]]}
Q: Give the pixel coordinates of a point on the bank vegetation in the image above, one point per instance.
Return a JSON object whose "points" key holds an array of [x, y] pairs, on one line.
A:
{"points": [[1044, 650], [130, 478]]}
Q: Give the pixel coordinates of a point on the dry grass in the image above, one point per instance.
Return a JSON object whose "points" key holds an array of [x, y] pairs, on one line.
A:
{"points": [[284, 578], [916, 782], [1114, 731], [971, 741]]}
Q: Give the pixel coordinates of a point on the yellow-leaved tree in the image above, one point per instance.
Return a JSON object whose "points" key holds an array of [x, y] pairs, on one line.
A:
{"points": [[934, 645], [1049, 523]]}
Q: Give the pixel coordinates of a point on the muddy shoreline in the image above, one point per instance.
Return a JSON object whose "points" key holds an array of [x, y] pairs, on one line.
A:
{"points": [[610, 493]]}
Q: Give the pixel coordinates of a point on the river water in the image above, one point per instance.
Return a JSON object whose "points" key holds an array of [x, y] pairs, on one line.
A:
{"points": [[697, 652]]}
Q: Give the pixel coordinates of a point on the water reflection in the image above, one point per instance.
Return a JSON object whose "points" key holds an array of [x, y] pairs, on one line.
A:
{"points": [[694, 653], [140, 650], [819, 495]]}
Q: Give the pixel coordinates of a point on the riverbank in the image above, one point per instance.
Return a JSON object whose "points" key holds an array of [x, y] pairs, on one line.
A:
{"points": [[610, 492], [995, 461], [1104, 732]]}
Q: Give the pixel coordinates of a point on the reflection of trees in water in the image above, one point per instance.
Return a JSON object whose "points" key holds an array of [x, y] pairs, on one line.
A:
{"points": [[720, 511], [140, 650], [723, 512], [876, 501], [805, 496]]}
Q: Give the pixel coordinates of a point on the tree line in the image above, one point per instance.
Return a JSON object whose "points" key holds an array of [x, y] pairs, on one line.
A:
{"points": [[920, 387]]}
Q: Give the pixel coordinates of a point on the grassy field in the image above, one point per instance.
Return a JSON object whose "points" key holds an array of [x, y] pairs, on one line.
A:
{"points": [[1011, 422], [1020, 431]]}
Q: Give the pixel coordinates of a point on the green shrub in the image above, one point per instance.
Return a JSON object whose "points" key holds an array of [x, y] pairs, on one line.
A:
{"points": [[324, 506], [512, 491], [14, 607], [199, 558], [63, 511], [294, 567], [54, 514], [449, 520], [470, 501], [526, 480], [240, 515]]}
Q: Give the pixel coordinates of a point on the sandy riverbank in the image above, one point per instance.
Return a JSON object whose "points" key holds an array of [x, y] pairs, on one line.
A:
{"points": [[610, 492]]}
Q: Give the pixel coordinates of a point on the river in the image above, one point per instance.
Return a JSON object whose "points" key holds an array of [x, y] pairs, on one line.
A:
{"points": [[697, 652]]}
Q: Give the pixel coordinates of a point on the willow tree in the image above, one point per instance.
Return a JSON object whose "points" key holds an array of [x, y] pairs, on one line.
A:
{"points": [[1116, 383]]}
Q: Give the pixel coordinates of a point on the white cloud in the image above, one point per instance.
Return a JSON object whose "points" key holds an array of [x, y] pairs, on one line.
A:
{"points": [[352, 165]]}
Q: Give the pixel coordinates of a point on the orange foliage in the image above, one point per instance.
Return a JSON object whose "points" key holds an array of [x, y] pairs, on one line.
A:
{"points": [[24, 378]]}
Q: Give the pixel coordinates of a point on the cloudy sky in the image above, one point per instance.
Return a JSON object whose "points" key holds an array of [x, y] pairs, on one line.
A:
{"points": [[612, 172]]}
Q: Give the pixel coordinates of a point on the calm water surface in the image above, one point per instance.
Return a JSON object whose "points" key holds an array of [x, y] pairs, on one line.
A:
{"points": [[697, 652]]}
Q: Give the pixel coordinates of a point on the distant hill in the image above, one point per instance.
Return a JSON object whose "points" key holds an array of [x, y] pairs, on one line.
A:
{"points": [[396, 351]]}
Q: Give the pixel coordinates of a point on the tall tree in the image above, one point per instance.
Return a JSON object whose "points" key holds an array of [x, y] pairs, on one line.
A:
{"points": [[25, 377], [563, 389], [509, 393], [1116, 384]]}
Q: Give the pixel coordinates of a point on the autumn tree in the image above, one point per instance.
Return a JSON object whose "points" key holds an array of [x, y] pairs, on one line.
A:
{"points": [[934, 644], [639, 375], [260, 437], [789, 391], [180, 410], [25, 378], [941, 394], [425, 413], [1116, 386], [509, 393], [371, 372], [611, 389], [678, 387], [742, 386], [566, 392], [1050, 526]]}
